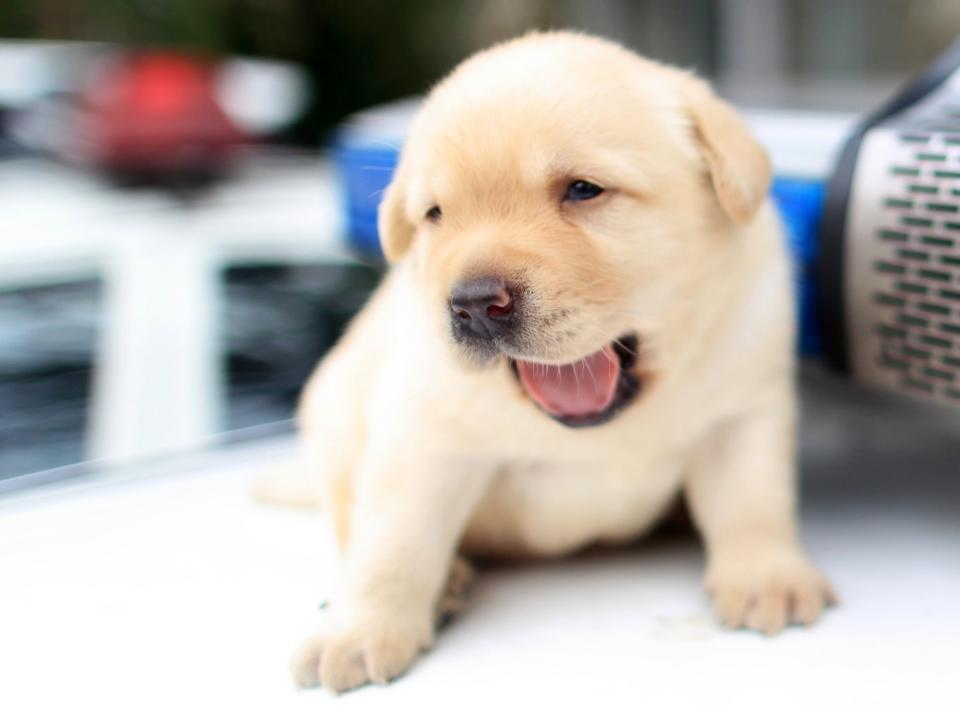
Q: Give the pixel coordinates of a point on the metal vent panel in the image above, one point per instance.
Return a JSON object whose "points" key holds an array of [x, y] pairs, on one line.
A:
{"points": [[904, 256]]}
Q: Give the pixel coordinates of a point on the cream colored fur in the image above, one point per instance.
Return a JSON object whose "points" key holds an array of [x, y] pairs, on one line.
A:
{"points": [[420, 454]]}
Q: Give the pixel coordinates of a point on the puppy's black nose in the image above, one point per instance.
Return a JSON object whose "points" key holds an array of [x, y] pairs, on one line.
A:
{"points": [[482, 307]]}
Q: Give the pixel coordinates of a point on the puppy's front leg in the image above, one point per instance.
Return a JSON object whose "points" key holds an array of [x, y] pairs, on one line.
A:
{"points": [[743, 498], [409, 512]]}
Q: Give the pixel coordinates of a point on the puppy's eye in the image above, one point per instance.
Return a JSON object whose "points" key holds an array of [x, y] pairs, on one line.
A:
{"points": [[582, 190], [433, 214]]}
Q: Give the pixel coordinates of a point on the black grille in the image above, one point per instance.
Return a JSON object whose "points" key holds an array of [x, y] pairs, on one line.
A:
{"points": [[919, 334]]}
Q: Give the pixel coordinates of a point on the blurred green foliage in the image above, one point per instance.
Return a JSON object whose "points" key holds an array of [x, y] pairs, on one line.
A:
{"points": [[357, 52], [845, 54]]}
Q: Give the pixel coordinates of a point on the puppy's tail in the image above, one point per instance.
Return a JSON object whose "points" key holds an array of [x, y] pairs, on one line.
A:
{"points": [[289, 482]]}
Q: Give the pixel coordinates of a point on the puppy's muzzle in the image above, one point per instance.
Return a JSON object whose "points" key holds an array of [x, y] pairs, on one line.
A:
{"points": [[482, 308]]}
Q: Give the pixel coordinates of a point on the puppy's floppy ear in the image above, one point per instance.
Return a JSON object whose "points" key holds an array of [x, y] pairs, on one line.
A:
{"points": [[739, 166], [396, 231]]}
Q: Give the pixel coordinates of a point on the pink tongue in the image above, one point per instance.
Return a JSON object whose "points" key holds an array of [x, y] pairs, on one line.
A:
{"points": [[575, 389]]}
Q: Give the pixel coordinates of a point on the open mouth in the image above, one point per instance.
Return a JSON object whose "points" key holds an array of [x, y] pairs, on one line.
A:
{"points": [[586, 392]]}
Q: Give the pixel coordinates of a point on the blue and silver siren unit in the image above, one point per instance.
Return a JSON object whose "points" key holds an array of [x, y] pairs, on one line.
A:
{"points": [[889, 263]]}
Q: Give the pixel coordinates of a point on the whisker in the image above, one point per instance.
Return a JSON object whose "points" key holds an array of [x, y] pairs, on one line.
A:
{"points": [[596, 386]]}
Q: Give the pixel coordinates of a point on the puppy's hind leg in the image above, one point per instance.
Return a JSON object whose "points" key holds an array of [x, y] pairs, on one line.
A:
{"points": [[331, 441], [289, 482], [455, 593]]}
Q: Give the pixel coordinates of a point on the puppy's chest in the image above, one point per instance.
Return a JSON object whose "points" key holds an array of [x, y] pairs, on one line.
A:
{"points": [[555, 505], [561, 488]]}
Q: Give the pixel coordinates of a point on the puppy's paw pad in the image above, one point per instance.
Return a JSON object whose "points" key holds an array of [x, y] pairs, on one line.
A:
{"points": [[344, 660], [767, 597]]}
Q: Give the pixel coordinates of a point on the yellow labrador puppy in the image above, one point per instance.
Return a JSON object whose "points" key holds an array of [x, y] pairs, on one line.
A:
{"points": [[589, 312]]}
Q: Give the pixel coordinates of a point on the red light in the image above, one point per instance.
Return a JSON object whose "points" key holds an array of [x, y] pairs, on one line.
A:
{"points": [[166, 84], [158, 112]]}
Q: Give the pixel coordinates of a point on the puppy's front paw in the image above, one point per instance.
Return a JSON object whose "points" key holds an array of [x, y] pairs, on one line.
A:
{"points": [[369, 651], [767, 590]]}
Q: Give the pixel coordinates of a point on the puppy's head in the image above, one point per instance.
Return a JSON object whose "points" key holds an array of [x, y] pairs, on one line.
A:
{"points": [[558, 196]]}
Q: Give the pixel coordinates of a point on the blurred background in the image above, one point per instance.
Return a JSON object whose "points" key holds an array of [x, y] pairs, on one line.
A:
{"points": [[177, 247]]}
